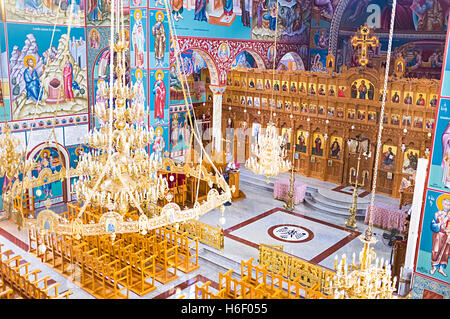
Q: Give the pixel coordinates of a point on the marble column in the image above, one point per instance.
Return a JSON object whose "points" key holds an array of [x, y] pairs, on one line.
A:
{"points": [[217, 117]]}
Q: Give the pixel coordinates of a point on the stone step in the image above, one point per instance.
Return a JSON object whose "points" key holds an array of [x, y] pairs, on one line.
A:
{"points": [[219, 261], [311, 203], [333, 203]]}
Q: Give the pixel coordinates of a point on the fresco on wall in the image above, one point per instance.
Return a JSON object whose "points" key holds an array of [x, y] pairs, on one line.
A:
{"points": [[161, 144], [439, 175], [219, 19], [47, 77], [48, 158], [291, 22], [318, 60], [98, 12], [244, 60], [159, 41], [139, 39], [433, 253], [159, 97], [139, 82], [46, 11], [193, 74], [180, 133]]}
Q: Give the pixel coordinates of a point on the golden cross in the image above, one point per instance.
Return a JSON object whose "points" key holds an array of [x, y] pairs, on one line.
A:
{"points": [[364, 40]]}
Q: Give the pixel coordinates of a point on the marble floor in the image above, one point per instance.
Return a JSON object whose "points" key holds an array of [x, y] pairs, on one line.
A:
{"points": [[256, 219]]}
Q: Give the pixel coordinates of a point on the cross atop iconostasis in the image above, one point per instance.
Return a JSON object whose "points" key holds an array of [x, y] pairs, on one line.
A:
{"points": [[362, 41]]}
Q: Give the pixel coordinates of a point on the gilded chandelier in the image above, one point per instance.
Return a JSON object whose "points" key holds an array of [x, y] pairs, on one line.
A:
{"points": [[118, 171], [364, 280], [268, 154]]}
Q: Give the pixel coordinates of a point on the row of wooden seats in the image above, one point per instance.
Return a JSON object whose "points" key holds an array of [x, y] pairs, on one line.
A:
{"points": [[187, 247], [257, 283], [25, 205], [18, 281], [165, 254], [142, 266], [98, 274]]}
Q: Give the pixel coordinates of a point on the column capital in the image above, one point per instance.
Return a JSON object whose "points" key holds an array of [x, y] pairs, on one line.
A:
{"points": [[217, 89]]}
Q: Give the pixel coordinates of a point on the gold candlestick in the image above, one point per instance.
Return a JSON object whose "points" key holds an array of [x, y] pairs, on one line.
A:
{"points": [[290, 204]]}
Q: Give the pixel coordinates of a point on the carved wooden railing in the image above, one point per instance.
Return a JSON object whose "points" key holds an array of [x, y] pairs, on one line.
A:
{"points": [[206, 234], [294, 268]]}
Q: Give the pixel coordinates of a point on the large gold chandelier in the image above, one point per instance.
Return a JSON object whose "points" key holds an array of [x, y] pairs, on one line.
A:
{"points": [[364, 280], [268, 154], [118, 173]]}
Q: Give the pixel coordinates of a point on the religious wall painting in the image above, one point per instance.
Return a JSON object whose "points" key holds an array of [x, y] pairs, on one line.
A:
{"points": [[321, 110], [139, 82], [429, 124], [271, 53], [399, 66], [332, 90], [340, 112], [421, 99], [242, 100], [439, 174], [47, 158], [321, 90], [158, 43], [312, 89], [251, 83], [94, 39], [276, 85], [268, 84], [143, 3], [301, 142], [312, 109], [408, 97], [318, 144], [159, 99], [286, 137], [293, 87], [257, 101], [160, 145], [406, 121], [410, 160], [372, 116], [386, 118], [290, 19], [433, 254], [318, 60], [362, 89], [271, 103], [101, 66], [296, 106], [302, 88], [361, 115], [138, 46], [264, 102], [304, 108], [395, 119], [180, 133], [335, 147], [279, 104], [249, 101], [395, 96], [433, 101], [259, 84], [47, 81], [388, 157], [351, 114], [45, 12], [418, 122], [330, 111], [320, 39], [101, 98], [284, 86]]}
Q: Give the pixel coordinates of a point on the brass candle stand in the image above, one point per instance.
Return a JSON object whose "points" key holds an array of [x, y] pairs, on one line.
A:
{"points": [[290, 204]]}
